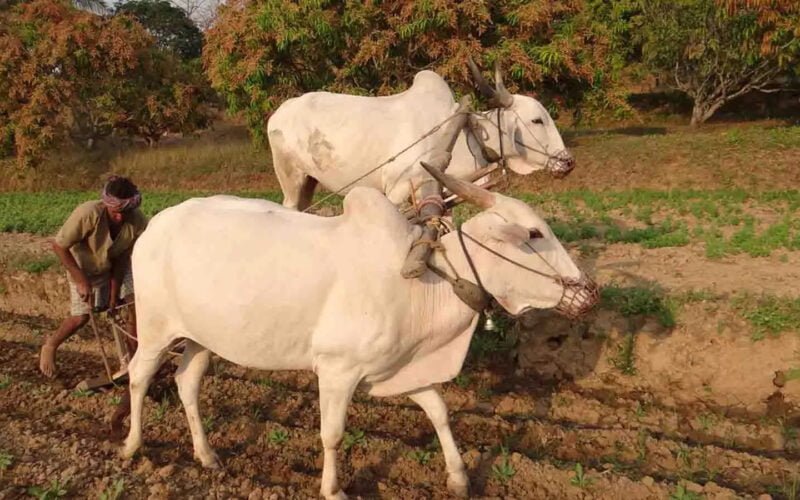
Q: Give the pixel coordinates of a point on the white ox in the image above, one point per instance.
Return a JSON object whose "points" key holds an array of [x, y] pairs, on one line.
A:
{"points": [[270, 288], [333, 139]]}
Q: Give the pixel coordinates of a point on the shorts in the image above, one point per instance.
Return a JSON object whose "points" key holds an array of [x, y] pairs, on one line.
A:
{"points": [[101, 289]]}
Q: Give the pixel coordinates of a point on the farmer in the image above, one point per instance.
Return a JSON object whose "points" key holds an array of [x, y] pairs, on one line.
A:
{"points": [[94, 246]]}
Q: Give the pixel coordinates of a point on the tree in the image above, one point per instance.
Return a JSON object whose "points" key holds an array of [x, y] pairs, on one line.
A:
{"points": [[170, 26], [716, 51], [261, 52], [67, 73]]}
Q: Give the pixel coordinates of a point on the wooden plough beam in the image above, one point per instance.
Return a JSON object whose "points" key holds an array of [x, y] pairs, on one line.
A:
{"points": [[416, 263]]}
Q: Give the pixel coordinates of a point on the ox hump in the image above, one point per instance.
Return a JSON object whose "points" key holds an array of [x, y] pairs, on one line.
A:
{"points": [[370, 209]]}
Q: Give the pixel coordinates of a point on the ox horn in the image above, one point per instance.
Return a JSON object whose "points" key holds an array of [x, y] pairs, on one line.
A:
{"points": [[468, 192], [486, 89], [502, 96]]}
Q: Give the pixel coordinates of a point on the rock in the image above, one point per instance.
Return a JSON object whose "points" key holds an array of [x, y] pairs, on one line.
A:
{"points": [[764, 496], [145, 468], [166, 471], [256, 494], [648, 481]]}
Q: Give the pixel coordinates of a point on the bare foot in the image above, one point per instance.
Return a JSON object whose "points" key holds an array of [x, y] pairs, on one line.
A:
{"points": [[47, 360]]}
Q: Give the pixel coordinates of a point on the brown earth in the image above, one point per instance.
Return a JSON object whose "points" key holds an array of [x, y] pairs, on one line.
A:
{"points": [[703, 410]]}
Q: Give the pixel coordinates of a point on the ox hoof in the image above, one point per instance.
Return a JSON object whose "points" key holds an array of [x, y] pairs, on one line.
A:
{"points": [[458, 486], [210, 461], [339, 495], [127, 452]]}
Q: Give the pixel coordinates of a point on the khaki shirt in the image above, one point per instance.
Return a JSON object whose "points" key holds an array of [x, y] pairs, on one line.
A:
{"points": [[85, 233]]}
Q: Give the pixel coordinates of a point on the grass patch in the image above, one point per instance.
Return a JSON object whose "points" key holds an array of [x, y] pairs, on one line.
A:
{"points": [[635, 301], [769, 315]]}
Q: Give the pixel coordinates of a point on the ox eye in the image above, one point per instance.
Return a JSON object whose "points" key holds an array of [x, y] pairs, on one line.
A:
{"points": [[538, 121], [535, 234]]}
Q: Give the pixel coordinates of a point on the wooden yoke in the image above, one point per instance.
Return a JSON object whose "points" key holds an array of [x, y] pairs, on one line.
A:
{"points": [[430, 195]]}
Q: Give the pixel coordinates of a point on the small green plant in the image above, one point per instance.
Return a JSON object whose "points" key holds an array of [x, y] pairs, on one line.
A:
{"points": [[641, 410], [40, 265], [54, 490], [503, 471], [113, 492], [161, 410], [354, 438], [580, 479], [681, 493], [6, 459], [209, 424], [422, 457], [278, 436], [624, 359], [115, 400], [770, 315], [5, 381], [462, 380], [788, 432], [81, 393], [706, 421]]}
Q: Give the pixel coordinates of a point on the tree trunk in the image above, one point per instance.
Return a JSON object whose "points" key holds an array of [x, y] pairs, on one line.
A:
{"points": [[703, 110]]}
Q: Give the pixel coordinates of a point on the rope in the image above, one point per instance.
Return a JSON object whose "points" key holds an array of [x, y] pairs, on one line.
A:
{"points": [[391, 159]]}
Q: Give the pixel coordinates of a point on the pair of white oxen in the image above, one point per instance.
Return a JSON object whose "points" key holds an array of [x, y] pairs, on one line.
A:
{"points": [[268, 287]]}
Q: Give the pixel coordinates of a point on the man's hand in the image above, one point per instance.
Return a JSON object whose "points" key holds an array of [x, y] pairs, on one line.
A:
{"points": [[84, 288]]}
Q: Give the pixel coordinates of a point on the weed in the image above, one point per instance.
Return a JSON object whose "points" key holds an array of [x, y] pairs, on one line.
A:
{"points": [[422, 457], [209, 424], [5, 381], [624, 360], [641, 410], [706, 421], [354, 438], [115, 400], [6, 459], [681, 493], [641, 445], [82, 393], [462, 380], [161, 410], [792, 374], [40, 265], [769, 314], [788, 432], [503, 471], [580, 479], [54, 490], [114, 491], [278, 436], [633, 301]]}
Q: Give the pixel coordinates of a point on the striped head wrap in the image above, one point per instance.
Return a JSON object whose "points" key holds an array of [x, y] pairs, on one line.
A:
{"points": [[120, 204]]}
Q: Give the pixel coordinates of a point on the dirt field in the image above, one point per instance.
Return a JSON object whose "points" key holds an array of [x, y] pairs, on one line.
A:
{"points": [[694, 408]]}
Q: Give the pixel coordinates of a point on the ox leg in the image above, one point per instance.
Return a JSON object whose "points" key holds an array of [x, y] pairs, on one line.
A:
{"points": [[432, 403], [336, 387], [194, 364], [141, 369], [298, 188]]}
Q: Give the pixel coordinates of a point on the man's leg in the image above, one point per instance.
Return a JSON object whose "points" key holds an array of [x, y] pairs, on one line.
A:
{"points": [[79, 311], [47, 357]]}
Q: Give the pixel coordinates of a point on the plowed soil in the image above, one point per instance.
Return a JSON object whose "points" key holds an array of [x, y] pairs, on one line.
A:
{"points": [[705, 412]]}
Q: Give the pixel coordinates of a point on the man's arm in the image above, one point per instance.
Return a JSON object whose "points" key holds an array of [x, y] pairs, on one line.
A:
{"points": [[69, 263], [118, 268]]}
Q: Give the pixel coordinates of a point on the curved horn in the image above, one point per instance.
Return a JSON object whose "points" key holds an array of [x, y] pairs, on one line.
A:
{"points": [[502, 96], [486, 89], [469, 192]]}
